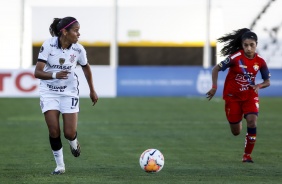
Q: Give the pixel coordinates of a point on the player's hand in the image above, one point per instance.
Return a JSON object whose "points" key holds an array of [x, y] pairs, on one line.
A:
{"points": [[210, 93], [255, 87], [94, 97], [62, 74]]}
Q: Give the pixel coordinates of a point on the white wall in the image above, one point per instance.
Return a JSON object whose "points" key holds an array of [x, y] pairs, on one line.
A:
{"points": [[170, 21], [10, 33], [156, 20]]}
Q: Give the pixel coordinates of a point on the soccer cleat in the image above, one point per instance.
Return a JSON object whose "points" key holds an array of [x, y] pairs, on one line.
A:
{"points": [[58, 171], [247, 158], [75, 152]]}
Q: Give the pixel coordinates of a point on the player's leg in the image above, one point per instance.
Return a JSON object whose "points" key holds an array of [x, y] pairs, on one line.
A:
{"points": [[250, 108], [70, 108], [234, 116], [50, 107], [235, 128], [250, 137], [70, 132], [52, 120]]}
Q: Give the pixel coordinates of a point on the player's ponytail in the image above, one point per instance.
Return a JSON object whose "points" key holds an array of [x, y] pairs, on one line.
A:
{"points": [[58, 24], [232, 41], [53, 27]]}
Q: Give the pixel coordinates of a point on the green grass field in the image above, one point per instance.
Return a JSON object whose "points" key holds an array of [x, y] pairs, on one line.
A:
{"points": [[192, 133]]}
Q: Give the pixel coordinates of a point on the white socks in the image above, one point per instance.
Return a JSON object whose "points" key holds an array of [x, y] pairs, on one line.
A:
{"points": [[59, 158], [73, 143]]}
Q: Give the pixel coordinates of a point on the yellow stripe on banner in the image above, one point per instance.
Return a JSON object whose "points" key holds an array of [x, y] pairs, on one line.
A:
{"points": [[139, 44], [163, 44]]}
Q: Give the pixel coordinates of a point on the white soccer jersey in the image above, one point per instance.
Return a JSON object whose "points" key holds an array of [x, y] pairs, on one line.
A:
{"points": [[58, 59]]}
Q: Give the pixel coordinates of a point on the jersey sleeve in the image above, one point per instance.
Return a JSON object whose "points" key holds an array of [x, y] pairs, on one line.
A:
{"points": [[44, 52], [265, 74], [225, 64], [82, 60]]}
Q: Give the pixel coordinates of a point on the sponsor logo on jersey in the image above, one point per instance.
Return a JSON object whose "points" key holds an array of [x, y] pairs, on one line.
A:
{"points": [[244, 81], [61, 67], [243, 66], [243, 87], [72, 58], [62, 61], [56, 88], [53, 45], [244, 78], [76, 49]]}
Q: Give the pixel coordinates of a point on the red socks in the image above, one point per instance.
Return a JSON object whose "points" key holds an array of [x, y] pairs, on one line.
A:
{"points": [[250, 140]]}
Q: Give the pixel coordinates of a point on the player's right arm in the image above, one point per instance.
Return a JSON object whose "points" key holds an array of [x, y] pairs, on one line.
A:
{"points": [[212, 91], [41, 74], [222, 66]]}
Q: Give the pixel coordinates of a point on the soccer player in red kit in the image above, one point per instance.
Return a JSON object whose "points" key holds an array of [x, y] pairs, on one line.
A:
{"points": [[240, 90]]}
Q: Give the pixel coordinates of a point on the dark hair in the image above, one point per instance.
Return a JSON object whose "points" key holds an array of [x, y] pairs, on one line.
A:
{"points": [[233, 41], [61, 23]]}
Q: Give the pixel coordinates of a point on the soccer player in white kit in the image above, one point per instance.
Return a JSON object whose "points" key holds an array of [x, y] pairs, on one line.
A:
{"points": [[59, 93]]}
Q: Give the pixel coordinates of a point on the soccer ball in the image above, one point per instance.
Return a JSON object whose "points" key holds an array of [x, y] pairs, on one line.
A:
{"points": [[152, 160]]}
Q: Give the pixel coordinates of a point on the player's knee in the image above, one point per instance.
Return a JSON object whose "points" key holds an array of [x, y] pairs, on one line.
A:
{"points": [[252, 123], [54, 133], [235, 132], [251, 120], [236, 128], [69, 135]]}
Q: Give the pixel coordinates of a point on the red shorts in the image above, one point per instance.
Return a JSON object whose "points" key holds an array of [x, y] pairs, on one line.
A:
{"points": [[236, 109]]}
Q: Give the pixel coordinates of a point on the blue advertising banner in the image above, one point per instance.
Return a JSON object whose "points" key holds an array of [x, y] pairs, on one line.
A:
{"points": [[179, 81]]}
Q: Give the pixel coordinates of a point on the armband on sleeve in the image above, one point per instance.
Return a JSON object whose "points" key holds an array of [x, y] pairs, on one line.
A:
{"points": [[220, 65], [224, 64]]}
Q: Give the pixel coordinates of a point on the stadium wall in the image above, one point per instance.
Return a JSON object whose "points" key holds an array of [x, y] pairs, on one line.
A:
{"points": [[22, 83], [159, 32], [134, 81], [179, 81], [148, 55], [139, 21]]}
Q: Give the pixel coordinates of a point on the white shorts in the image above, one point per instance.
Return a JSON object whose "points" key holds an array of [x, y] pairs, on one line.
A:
{"points": [[64, 104]]}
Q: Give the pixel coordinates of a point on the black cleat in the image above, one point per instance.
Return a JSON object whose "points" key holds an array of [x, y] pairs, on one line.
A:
{"points": [[75, 152]]}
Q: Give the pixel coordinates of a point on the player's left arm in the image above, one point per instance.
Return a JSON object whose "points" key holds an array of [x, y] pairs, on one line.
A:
{"points": [[88, 75], [82, 60], [265, 75]]}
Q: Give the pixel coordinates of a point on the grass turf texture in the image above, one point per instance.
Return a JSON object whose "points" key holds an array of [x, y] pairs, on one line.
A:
{"points": [[192, 133]]}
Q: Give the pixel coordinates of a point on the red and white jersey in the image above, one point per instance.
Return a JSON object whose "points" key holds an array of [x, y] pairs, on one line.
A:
{"points": [[58, 59], [242, 73]]}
